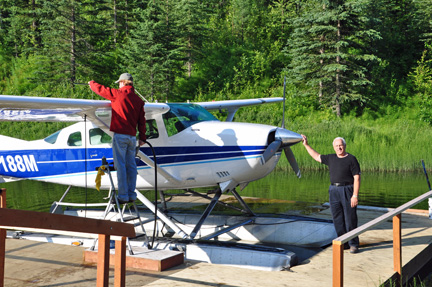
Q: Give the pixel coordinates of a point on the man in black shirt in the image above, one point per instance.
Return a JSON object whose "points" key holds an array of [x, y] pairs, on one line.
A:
{"points": [[344, 172]]}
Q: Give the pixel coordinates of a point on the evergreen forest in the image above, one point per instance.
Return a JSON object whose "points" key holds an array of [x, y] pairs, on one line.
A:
{"points": [[359, 69]]}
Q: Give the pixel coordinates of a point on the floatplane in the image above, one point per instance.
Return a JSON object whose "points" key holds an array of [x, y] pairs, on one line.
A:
{"points": [[187, 148]]}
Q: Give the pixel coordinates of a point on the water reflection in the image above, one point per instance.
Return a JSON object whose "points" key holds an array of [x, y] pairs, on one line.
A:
{"points": [[38, 196], [282, 192], [377, 189]]}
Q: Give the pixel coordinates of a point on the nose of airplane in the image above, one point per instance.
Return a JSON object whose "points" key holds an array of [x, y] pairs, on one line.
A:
{"points": [[287, 138], [283, 139]]}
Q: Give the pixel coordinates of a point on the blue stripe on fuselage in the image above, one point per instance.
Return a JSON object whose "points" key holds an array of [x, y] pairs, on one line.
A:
{"points": [[57, 162]]}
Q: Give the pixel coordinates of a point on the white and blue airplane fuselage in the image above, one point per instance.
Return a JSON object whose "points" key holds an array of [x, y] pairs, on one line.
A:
{"points": [[192, 148]]}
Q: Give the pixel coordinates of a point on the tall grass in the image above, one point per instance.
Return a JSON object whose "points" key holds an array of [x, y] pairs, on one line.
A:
{"points": [[386, 144]]}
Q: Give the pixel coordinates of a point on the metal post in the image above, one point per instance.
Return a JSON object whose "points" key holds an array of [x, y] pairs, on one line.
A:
{"points": [[206, 213], [61, 199], [430, 208]]}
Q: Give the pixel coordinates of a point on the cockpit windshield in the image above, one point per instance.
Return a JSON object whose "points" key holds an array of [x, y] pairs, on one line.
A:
{"points": [[182, 116]]}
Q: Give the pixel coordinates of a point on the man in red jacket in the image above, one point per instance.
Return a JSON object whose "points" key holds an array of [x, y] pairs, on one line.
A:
{"points": [[127, 115]]}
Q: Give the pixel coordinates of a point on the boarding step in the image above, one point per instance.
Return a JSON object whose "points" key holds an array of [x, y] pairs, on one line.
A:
{"points": [[115, 206], [144, 259]]}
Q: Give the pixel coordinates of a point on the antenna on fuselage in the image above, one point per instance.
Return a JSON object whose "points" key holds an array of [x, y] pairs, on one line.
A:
{"points": [[142, 97], [283, 112]]}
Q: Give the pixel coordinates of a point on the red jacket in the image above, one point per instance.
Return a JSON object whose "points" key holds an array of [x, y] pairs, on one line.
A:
{"points": [[127, 109]]}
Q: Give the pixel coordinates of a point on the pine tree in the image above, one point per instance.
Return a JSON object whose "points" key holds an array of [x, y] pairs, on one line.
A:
{"points": [[328, 51], [153, 52], [19, 27], [192, 16], [424, 11], [75, 40], [402, 25]]}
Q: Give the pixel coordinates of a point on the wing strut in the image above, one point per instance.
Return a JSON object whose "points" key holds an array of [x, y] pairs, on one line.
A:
{"points": [[160, 169]]}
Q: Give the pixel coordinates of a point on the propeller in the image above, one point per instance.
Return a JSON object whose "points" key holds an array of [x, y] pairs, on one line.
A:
{"points": [[291, 159], [270, 151], [283, 139]]}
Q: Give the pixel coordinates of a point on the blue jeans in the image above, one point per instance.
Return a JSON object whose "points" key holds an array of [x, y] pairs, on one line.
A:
{"points": [[124, 149]]}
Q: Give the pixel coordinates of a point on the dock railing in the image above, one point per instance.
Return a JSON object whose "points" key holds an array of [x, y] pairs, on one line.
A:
{"points": [[396, 214], [65, 224]]}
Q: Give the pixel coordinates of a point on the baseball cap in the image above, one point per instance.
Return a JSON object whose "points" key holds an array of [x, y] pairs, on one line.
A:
{"points": [[125, 76]]}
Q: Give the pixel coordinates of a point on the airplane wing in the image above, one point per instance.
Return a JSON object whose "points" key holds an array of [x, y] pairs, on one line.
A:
{"points": [[233, 105], [23, 108]]}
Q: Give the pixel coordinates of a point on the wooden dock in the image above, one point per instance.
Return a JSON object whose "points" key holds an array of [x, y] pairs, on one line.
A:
{"points": [[46, 264]]}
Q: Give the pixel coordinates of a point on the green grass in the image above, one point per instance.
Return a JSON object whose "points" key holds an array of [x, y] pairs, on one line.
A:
{"points": [[396, 145], [414, 282]]}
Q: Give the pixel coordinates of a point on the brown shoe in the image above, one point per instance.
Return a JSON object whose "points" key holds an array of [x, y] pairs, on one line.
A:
{"points": [[353, 249]]}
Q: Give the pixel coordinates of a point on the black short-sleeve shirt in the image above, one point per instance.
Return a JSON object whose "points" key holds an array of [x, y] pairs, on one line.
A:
{"points": [[342, 170]]}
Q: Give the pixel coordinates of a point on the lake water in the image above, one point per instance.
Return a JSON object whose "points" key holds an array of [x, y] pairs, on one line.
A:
{"points": [[278, 192], [377, 189]]}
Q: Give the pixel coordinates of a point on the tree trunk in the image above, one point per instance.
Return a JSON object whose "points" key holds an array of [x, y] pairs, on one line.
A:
{"points": [[189, 63]]}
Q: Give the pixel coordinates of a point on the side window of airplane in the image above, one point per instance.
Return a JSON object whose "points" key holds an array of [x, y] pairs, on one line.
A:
{"points": [[74, 139], [52, 138], [98, 136], [151, 129]]}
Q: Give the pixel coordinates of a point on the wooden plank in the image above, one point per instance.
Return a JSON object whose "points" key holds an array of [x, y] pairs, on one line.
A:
{"points": [[152, 260], [338, 248], [58, 232], [2, 197], [2, 255], [120, 263], [397, 230], [397, 244], [379, 220], [55, 232], [43, 220], [102, 279]]}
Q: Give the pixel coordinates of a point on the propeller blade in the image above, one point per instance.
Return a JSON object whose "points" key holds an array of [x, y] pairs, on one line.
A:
{"points": [[291, 159], [270, 151]]}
